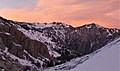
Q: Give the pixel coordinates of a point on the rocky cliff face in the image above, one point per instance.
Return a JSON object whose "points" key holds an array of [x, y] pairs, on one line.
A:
{"points": [[88, 38], [15, 47], [31, 46]]}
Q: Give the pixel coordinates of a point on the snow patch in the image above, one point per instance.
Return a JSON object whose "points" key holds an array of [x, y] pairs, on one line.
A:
{"points": [[109, 34], [17, 44], [7, 33], [35, 60], [88, 26], [3, 58], [54, 54]]}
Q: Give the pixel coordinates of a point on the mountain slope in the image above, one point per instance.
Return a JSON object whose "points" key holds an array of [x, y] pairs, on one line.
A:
{"points": [[41, 45], [104, 59], [90, 37]]}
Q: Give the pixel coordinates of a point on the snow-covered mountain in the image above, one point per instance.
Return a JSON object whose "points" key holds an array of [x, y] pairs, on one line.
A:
{"points": [[32, 46], [105, 59]]}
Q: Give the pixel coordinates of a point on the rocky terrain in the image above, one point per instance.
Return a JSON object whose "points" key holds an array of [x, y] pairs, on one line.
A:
{"points": [[32, 46]]}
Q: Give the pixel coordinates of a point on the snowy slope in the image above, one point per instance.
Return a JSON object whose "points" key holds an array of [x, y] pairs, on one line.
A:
{"points": [[106, 59]]}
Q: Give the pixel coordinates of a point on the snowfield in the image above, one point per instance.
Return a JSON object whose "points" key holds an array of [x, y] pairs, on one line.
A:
{"points": [[105, 59]]}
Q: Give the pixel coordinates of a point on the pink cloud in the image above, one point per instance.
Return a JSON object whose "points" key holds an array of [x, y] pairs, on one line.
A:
{"points": [[73, 12]]}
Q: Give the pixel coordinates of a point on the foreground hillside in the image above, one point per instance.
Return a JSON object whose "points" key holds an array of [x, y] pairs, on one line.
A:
{"points": [[105, 59]]}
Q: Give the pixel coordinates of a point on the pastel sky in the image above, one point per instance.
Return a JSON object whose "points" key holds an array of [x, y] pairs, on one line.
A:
{"points": [[73, 12]]}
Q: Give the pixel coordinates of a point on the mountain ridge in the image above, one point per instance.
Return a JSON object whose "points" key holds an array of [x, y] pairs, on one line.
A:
{"points": [[57, 23]]}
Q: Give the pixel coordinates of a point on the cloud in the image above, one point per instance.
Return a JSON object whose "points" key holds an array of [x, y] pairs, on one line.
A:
{"points": [[74, 12], [82, 10], [17, 3]]}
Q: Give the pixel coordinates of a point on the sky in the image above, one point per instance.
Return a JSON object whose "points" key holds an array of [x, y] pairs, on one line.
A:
{"points": [[72, 12]]}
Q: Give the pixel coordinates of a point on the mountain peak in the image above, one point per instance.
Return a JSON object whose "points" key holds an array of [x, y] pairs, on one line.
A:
{"points": [[60, 24], [92, 25], [1, 17], [5, 21]]}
